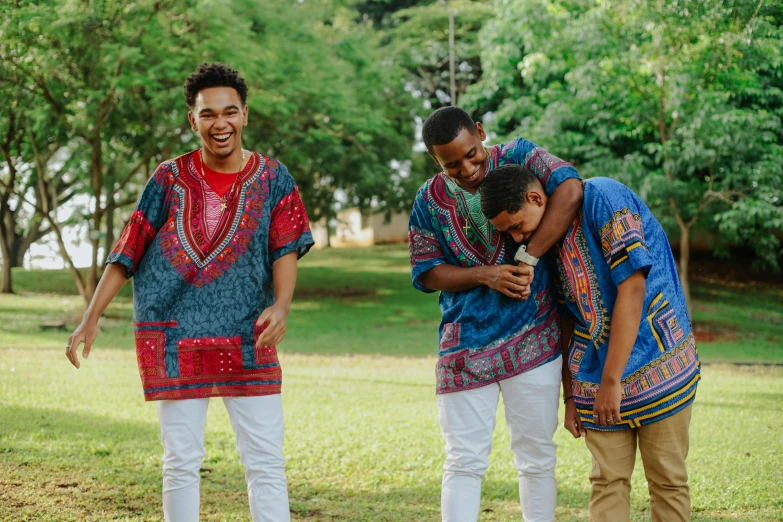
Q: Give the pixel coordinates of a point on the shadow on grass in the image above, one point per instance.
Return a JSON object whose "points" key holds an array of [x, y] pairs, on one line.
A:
{"points": [[47, 434]]}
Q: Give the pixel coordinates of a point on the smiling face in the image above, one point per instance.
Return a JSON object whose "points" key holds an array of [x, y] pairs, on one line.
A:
{"points": [[218, 116], [524, 222], [464, 159]]}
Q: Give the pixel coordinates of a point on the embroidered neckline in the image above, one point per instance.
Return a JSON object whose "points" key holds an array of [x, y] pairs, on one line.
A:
{"points": [[190, 187]]}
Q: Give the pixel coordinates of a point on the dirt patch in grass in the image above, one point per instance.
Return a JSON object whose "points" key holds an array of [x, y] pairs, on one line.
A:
{"points": [[325, 293], [713, 332]]}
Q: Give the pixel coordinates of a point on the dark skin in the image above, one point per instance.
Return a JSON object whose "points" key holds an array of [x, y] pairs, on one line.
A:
{"points": [[464, 160]]}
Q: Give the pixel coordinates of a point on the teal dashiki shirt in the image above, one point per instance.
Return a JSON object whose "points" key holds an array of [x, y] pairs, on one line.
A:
{"points": [[484, 336]]}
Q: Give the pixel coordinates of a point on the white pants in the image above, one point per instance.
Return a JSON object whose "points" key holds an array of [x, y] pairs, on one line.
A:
{"points": [[467, 420], [258, 425]]}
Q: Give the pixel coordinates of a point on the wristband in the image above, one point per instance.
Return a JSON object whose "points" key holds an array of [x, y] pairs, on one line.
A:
{"points": [[566, 399]]}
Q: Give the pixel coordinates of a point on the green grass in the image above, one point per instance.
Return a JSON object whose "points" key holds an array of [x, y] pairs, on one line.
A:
{"points": [[362, 438]]}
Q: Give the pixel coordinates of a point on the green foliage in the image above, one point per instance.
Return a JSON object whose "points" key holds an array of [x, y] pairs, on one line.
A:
{"points": [[419, 42], [681, 100], [102, 82]]}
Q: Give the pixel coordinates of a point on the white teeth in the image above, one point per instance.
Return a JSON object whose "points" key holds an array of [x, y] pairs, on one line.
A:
{"points": [[221, 136]]}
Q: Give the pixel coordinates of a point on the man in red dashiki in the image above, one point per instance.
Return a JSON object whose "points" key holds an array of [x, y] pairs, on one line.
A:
{"points": [[212, 246]]}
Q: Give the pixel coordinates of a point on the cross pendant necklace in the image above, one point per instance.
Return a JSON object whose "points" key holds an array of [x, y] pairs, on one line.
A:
{"points": [[223, 199], [466, 228]]}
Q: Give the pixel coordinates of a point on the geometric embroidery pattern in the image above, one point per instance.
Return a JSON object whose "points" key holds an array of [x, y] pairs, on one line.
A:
{"points": [[620, 235], [450, 337], [580, 284]]}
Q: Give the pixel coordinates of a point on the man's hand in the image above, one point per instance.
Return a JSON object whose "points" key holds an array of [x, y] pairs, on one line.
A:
{"points": [[513, 281], [85, 333], [606, 409], [532, 271], [273, 319], [572, 421]]}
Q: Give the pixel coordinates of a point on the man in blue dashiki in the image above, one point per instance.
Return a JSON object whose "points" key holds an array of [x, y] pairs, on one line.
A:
{"points": [[212, 247], [631, 365], [491, 339]]}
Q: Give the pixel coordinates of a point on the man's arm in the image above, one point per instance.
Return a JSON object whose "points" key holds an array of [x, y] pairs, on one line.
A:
{"points": [[284, 278], [625, 327], [111, 282], [513, 281], [562, 208]]}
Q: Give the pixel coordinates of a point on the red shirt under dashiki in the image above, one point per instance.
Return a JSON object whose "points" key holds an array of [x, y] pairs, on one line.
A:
{"points": [[484, 336], [200, 284], [613, 237]]}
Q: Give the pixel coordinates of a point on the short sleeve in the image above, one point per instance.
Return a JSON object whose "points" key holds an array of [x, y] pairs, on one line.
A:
{"points": [[621, 233], [289, 226], [147, 218], [423, 245], [550, 169]]}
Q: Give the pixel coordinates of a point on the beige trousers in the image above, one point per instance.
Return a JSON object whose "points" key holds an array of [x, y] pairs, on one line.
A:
{"points": [[664, 446]]}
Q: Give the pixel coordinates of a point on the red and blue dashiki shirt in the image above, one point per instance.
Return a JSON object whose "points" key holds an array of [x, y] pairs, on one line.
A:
{"points": [[484, 336], [614, 236], [198, 289]]}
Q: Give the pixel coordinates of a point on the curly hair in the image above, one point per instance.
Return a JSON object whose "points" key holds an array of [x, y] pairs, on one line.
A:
{"points": [[213, 75], [505, 188], [443, 125]]}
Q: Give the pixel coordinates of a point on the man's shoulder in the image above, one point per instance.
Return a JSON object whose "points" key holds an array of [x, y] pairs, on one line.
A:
{"points": [[429, 185], [607, 191]]}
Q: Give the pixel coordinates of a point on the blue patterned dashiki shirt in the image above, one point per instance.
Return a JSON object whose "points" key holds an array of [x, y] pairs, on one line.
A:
{"points": [[484, 336], [614, 236], [197, 291]]}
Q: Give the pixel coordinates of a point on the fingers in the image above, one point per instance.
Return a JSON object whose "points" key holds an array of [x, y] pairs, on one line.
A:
{"points": [[572, 428], [87, 347], [606, 416], [273, 333], [614, 416], [579, 427], [524, 269], [517, 289], [264, 317], [70, 350], [516, 292]]}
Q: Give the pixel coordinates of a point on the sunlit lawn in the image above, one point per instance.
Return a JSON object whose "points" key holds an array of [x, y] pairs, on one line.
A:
{"points": [[362, 439]]}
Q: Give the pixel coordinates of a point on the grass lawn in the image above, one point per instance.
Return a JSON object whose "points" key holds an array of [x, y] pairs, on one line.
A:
{"points": [[362, 438]]}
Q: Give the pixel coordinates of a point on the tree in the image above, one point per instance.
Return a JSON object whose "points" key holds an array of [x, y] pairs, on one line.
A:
{"points": [[681, 100], [106, 71], [437, 44]]}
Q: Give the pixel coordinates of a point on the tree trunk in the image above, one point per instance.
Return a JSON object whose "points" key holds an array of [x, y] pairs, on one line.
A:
{"points": [[94, 233], [685, 257], [108, 241], [7, 286]]}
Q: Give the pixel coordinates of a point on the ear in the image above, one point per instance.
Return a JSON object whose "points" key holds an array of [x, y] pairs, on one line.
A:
{"points": [[192, 120], [244, 116], [535, 198], [481, 134]]}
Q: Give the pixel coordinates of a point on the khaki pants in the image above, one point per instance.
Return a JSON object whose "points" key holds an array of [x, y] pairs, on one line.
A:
{"points": [[664, 446]]}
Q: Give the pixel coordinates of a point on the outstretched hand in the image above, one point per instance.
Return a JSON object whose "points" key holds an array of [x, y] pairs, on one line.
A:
{"points": [[85, 333]]}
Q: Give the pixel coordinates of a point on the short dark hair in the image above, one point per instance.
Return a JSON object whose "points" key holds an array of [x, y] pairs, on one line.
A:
{"points": [[214, 75], [505, 188], [443, 125]]}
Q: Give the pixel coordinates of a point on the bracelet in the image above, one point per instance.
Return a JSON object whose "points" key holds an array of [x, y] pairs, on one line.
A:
{"points": [[566, 399]]}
